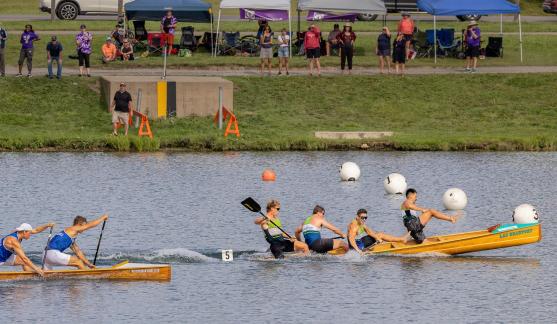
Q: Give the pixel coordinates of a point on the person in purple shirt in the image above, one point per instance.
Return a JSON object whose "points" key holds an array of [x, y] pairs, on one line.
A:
{"points": [[84, 41], [472, 39], [168, 26], [26, 53]]}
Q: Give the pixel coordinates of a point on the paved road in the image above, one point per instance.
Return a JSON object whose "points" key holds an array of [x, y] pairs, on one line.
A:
{"points": [[391, 17], [223, 71]]}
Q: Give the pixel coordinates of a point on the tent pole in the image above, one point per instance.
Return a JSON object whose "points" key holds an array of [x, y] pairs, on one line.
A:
{"points": [[290, 32], [299, 26], [212, 40], [520, 36], [501, 24], [218, 28], [435, 39]]}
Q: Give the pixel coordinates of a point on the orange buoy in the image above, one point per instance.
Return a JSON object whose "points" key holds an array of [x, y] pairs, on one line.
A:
{"points": [[268, 175]]}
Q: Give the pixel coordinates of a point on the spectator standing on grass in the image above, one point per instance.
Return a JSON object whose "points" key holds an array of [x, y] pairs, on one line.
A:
{"points": [[312, 41], [262, 25], [121, 107], [54, 54], [266, 49], [118, 35], [399, 53], [383, 49], [332, 42], [127, 51], [283, 51], [346, 40], [26, 53], [109, 51], [3, 38], [406, 28], [84, 42], [168, 27], [472, 36]]}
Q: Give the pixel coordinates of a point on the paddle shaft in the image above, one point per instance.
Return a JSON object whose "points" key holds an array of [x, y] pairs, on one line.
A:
{"points": [[267, 218], [46, 247], [99, 244]]}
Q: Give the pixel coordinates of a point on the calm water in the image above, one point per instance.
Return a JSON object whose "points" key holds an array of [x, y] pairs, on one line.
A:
{"points": [[184, 208]]}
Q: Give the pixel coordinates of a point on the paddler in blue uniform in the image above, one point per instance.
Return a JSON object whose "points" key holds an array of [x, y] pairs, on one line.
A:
{"points": [[361, 236], [60, 242], [279, 242], [11, 252], [311, 229], [415, 224]]}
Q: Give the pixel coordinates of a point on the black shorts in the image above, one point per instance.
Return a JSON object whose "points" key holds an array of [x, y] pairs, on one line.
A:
{"points": [[416, 229], [408, 37], [322, 245], [278, 247], [313, 53], [473, 51], [367, 242], [399, 56]]}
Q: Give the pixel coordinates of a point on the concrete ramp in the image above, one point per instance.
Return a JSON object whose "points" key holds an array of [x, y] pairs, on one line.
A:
{"points": [[353, 135]]}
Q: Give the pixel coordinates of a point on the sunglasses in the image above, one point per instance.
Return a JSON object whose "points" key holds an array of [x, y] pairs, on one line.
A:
{"points": [[278, 208], [363, 217]]}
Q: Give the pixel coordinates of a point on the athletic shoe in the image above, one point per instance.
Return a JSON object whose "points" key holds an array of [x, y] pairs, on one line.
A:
{"points": [[467, 70], [29, 75], [474, 70], [18, 75]]}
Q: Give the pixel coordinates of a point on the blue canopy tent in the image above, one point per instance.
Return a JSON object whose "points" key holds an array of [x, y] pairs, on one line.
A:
{"points": [[469, 7], [184, 10]]}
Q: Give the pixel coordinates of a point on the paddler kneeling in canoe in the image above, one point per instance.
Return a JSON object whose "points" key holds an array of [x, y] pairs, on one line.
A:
{"points": [[11, 252], [361, 237], [311, 229], [55, 255], [278, 240], [414, 224]]}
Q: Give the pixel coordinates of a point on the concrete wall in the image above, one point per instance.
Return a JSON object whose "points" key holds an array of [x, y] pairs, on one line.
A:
{"points": [[195, 96]]}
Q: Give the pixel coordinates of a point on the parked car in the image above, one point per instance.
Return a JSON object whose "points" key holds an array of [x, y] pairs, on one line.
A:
{"points": [[70, 9], [550, 6], [395, 6]]}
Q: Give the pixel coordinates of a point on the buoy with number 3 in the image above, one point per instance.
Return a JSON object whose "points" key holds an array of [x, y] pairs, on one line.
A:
{"points": [[395, 183]]}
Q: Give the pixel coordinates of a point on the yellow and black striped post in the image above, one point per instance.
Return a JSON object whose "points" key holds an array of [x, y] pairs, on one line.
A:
{"points": [[166, 99]]}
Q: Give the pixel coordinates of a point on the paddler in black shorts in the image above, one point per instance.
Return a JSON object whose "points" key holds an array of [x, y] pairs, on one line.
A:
{"points": [[311, 229], [362, 237], [415, 224], [279, 242]]}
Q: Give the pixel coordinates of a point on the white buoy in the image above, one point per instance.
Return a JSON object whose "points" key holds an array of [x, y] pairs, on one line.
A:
{"points": [[455, 199], [525, 214], [349, 171], [395, 183]]}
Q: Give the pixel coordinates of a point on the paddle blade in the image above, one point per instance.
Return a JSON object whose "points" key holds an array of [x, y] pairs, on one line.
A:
{"points": [[251, 204]]}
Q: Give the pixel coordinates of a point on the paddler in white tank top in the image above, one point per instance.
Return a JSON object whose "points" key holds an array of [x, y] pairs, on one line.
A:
{"points": [[414, 223], [311, 229], [362, 237], [279, 242]]}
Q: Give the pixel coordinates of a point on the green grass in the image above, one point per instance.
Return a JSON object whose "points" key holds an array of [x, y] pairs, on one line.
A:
{"points": [[449, 112], [529, 7], [538, 50]]}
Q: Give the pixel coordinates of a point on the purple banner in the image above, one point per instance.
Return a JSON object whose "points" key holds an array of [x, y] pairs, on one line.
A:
{"points": [[269, 15], [329, 16]]}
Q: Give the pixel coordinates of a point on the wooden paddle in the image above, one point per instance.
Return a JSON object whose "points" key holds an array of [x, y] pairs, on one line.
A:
{"points": [[46, 247], [252, 205], [99, 244]]}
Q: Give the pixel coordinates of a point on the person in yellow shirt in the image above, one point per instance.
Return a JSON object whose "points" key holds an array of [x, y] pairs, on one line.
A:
{"points": [[109, 51]]}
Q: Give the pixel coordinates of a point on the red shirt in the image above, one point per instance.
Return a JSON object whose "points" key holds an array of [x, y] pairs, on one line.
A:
{"points": [[406, 26], [312, 38], [346, 38]]}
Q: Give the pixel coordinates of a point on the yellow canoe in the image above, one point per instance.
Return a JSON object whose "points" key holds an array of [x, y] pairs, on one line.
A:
{"points": [[120, 271], [495, 237]]}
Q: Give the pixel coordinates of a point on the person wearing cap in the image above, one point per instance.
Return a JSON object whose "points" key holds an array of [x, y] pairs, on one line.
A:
{"points": [[60, 242], [121, 108], [168, 26], [406, 28], [11, 252], [54, 54], [26, 53], [279, 242], [332, 42], [109, 51], [346, 40], [127, 51], [84, 41], [472, 38], [383, 49], [362, 237], [312, 47], [3, 38]]}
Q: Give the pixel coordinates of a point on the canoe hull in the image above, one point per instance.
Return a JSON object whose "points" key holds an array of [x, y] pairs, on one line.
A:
{"points": [[123, 271], [465, 242]]}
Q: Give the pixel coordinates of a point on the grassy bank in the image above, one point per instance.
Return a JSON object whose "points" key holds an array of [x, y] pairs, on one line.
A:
{"points": [[452, 112]]}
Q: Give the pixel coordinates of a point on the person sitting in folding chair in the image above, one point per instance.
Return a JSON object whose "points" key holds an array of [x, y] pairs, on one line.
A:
{"points": [[168, 26]]}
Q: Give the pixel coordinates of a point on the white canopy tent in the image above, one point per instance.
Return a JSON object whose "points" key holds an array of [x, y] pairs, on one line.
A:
{"points": [[374, 7], [255, 4]]}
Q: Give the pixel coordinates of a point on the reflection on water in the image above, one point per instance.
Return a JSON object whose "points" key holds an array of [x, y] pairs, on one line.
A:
{"points": [[184, 208]]}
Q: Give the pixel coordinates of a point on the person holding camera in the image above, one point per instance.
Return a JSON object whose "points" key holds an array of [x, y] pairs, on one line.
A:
{"points": [[472, 37]]}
